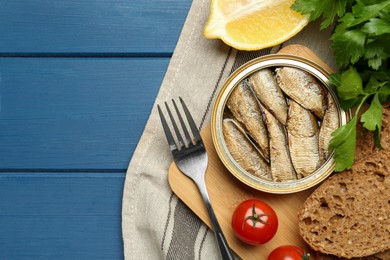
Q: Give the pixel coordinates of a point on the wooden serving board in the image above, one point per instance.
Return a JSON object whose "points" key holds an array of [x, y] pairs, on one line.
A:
{"points": [[226, 192]]}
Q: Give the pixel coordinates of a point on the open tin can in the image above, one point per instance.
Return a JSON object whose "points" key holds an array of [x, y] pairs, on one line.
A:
{"points": [[219, 110]]}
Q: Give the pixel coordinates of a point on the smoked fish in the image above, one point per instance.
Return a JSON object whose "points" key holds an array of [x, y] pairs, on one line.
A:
{"points": [[303, 130], [245, 108], [280, 160], [329, 124], [269, 93], [302, 87], [243, 151]]}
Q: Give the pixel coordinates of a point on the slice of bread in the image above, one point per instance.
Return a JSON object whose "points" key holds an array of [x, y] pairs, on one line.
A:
{"points": [[379, 256], [348, 215]]}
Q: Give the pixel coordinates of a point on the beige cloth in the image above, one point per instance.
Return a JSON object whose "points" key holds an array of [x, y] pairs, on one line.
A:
{"points": [[155, 223]]}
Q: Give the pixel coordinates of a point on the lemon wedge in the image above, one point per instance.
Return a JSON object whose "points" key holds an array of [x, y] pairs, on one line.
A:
{"points": [[253, 24]]}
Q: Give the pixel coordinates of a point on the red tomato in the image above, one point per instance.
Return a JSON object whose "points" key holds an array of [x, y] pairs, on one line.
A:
{"points": [[288, 252], [254, 222]]}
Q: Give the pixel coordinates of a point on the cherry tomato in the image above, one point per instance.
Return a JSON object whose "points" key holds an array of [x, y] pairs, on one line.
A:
{"points": [[254, 222], [288, 252]]}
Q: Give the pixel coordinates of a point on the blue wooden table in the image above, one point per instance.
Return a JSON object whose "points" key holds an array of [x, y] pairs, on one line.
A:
{"points": [[77, 83]]}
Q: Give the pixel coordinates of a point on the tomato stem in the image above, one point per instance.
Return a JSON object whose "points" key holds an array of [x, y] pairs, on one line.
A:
{"points": [[255, 217], [306, 256]]}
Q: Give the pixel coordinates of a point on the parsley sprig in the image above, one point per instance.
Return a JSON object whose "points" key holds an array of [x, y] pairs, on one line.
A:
{"points": [[361, 44]]}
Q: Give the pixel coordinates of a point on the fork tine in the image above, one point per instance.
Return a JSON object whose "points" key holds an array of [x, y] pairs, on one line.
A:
{"points": [[168, 134], [184, 127], [191, 122], [179, 138]]}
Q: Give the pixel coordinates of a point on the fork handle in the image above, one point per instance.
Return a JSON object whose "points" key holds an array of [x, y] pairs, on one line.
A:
{"points": [[223, 245]]}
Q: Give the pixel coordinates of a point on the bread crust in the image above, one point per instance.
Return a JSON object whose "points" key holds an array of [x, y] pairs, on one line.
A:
{"points": [[348, 215]]}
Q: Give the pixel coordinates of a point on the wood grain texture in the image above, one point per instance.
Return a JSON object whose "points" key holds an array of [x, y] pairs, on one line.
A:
{"points": [[100, 27], [226, 192], [74, 113], [61, 215], [75, 93], [81, 116]]}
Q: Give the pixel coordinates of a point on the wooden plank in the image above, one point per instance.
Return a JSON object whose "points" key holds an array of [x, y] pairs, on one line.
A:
{"points": [[61, 216], [99, 26], [74, 113], [226, 192], [217, 176]]}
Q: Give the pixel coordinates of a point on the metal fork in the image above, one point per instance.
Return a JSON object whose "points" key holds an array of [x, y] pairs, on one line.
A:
{"points": [[191, 158]]}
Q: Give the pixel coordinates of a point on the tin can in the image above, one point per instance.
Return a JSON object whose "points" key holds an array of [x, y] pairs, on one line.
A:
{"points": [[270, 61]]}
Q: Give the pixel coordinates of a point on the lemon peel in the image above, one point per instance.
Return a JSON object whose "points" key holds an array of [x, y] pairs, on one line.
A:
{"points": [[253, 24]]}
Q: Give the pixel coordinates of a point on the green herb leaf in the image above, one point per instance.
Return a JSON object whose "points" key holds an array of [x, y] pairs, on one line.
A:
{"points": [[384, 93], [344, 142], [365, 10], [329, 10], [349, 46], [372, 117], [380, 76], [376, 53], [376, 27], [373, 85], [350, 85], [335, 81], [360, 42]]}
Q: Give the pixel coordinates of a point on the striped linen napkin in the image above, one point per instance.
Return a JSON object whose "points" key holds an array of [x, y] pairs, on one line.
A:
{"points": [[155, 223]]}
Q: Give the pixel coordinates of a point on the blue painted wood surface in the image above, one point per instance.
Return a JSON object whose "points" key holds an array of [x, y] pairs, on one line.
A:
{"points": [[91, 26], [77, 83], [60, 215], [74, 113]]}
